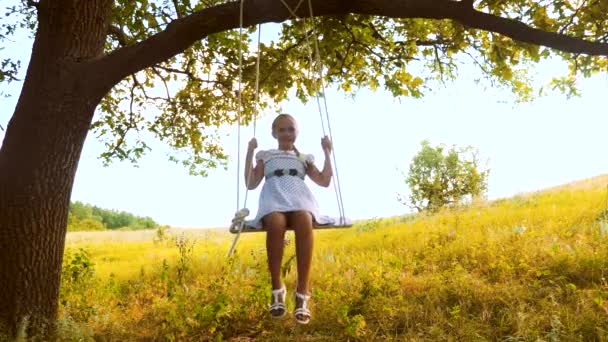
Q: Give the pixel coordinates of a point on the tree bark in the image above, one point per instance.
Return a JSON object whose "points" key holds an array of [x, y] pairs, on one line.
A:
{"points": [[39, 157]]}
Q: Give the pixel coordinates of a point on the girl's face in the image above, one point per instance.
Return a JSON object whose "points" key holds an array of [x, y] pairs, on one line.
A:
{"points": [[286, 131]]}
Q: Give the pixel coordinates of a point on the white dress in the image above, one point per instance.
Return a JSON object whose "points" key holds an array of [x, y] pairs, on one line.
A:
{"points": [[284, 189]]}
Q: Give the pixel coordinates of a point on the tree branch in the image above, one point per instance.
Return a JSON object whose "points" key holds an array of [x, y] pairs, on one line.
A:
{"points": [[438, 61], [182, 33], [33, 3], [118, 34], [468, 3], [574, 15], [523, 33], [183, 72], [177, 11], [117, 149], [461, 12]]}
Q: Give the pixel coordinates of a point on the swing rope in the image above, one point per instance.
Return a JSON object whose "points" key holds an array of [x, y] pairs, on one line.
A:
{"points": [[238, 221], [337, 188], [239, 108], [320, 67], [256, 109]]}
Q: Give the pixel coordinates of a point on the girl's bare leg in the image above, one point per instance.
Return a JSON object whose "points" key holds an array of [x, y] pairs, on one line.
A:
{"points": [[301, 222], [276, 225]]}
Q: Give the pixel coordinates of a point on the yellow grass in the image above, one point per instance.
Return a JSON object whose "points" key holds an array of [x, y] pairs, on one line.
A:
{"points": [[532, 267]]}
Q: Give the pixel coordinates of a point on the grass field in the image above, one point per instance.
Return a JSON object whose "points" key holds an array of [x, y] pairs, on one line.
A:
{"points": [[528, 268]]}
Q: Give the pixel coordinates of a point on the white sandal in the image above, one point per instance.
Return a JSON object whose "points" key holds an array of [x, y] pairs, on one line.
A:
{"points": [[302, 311], [278, 303]]}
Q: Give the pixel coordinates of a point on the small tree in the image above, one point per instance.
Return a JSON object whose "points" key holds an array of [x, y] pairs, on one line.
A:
{"points": [[439, 177]]}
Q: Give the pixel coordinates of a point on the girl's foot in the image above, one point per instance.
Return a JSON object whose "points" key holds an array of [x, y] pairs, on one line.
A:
{"points": [[302, 313], [277, 306]]}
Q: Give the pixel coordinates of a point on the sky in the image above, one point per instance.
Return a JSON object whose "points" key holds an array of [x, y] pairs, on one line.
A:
{"points": [[529, 146]]}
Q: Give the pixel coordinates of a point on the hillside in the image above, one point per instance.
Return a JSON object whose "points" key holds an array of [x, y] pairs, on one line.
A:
{"points": [[531, 267]]}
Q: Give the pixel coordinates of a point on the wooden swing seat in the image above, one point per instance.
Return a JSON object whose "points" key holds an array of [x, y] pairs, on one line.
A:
{"points": [[239, 219], [249, 229]]}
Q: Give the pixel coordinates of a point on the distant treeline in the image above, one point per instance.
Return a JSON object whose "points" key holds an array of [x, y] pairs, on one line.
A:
{"points": [[89, 217]]}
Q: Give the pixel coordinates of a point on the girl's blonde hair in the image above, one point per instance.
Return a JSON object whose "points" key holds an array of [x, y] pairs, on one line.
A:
{"points": [[275, 122]]}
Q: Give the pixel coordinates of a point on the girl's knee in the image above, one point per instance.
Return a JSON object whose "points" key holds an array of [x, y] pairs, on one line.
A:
{"points": [[302, 215], [275, 221], [301, 220]]}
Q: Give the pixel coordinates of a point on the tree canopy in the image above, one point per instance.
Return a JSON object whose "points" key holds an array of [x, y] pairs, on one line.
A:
{"points": [[440, 177], [405, 47]]}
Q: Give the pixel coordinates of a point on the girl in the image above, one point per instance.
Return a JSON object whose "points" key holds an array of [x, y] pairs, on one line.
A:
{"points": [[286, 201]]}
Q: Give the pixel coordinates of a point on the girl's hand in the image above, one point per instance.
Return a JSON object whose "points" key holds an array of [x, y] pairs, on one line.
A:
{"points": [[253, 144], [326, 144]]}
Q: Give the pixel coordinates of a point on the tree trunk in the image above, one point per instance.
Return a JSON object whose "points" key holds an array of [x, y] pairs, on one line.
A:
{"points": [[39, 157]]}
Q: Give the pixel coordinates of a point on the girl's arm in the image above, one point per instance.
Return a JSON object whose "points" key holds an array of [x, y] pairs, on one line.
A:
{"points": [[253, 176], [322, 178]]}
